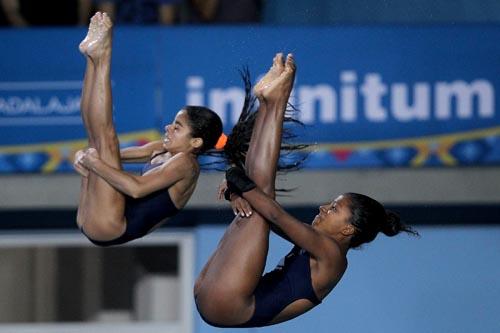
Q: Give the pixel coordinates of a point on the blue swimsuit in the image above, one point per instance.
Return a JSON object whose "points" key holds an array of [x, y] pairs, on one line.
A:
{"points": [[288, 282], [143, 214]]}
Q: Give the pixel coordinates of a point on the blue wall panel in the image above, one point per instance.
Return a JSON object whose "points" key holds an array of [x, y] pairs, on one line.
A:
{"points": [[446, 281], [389, 96]]}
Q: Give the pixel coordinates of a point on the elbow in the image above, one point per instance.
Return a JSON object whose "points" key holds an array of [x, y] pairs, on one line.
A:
{"points": [[135, 192], [134, 195]]}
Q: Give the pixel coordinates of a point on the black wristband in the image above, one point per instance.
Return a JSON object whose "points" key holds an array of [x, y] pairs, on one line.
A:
{"points": [[227, 194], [237, 181]]}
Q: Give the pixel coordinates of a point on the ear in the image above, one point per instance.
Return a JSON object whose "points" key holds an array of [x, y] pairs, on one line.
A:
{"points": [[196, 142], [348, 230]]}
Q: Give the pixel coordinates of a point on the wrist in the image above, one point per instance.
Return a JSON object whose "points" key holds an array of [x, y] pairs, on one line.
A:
{"points": [[94, 164]]}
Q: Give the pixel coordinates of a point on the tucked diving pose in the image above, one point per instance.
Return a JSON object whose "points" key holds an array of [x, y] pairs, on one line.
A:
{"points": [[231, 290], [116, 206]]}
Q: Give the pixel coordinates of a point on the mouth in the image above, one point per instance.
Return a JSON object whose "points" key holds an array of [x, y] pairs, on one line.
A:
{"points": [[166, 139]]}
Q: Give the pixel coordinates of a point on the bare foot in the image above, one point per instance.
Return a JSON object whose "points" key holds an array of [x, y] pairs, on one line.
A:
{"points": [[281, 86], [90, 35], [275, 71], [100, 42]]}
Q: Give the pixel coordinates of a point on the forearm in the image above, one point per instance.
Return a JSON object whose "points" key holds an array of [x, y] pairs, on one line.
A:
{"points": [[279, 232], [121, 181], [289, 227], [268, 208]]}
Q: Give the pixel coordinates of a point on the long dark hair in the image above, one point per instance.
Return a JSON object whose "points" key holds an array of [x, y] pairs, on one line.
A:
{"points": [[239, 139], [369, 217], [205, 124]]}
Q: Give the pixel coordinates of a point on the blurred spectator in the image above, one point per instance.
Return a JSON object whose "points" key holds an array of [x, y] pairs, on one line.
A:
{"points": [[23, 13], [140, 11], [3, 19], [222, 11]]}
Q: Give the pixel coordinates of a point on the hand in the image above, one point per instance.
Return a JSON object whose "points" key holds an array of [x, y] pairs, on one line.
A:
{"points": [[222, 188], [77, 163], [240, 206], [89, 158]]}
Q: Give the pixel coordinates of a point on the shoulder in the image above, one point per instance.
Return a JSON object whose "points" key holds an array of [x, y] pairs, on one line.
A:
{"points": [[327, 271], [183, 162], [332, 256]]}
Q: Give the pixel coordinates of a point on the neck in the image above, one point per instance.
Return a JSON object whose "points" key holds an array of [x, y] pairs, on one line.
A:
{"points": [[343, 242]]}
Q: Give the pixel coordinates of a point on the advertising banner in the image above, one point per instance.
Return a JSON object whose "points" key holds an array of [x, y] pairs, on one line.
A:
{"points": [[390, 96]]}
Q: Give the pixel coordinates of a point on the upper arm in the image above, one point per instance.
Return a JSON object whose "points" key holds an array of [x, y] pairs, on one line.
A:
{"points": [[140, 153], [176, 169]]}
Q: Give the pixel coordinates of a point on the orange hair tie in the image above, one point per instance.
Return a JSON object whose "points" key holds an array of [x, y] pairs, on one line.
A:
{"points": [[221, 142]]}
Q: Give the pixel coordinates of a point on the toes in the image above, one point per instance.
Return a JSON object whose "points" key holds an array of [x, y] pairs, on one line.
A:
{"points": [[279, 60], [107, 20], [290, 62]]}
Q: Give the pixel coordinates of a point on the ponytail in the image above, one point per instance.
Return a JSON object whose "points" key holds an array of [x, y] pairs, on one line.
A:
{"points": [[393, 225], [369, 217]]}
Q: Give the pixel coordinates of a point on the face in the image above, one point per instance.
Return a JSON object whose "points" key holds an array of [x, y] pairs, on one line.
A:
{"points": [[177, 136], [332, 217]]}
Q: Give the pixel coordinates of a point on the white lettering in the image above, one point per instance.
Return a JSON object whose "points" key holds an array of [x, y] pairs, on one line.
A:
{"points": [[379, 101], [402, 111], [195, 85], [373, 90], [463, 94], [228, 100], [35, 106], [321, 95], [348, 96]]}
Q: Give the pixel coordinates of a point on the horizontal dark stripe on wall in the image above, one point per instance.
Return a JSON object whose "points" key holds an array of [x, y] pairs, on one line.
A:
{"points": [[438, 215]]}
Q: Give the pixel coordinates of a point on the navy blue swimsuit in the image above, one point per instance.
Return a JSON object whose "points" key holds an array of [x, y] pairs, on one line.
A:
{"points": [[288, 282], [143, 214]]}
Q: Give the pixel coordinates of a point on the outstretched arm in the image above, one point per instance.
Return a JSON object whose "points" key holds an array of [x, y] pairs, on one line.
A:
{"points": [[137, 186], [317, 244], [301, 234], [141, 153]]}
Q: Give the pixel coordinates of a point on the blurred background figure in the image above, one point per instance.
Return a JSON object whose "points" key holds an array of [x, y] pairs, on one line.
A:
{"points": [[221, 11], [140, 11], [24, 13]]}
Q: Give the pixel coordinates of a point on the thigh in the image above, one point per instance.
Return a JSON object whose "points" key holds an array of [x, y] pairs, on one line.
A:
{"points": [[224, 294], [104, 210]]}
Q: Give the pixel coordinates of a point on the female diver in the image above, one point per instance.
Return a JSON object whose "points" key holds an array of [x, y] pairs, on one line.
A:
{"points": [[231, 290], [116, 206]]}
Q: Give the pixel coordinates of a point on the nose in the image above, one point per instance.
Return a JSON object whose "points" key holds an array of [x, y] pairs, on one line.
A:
{"points": [[167, 127]]}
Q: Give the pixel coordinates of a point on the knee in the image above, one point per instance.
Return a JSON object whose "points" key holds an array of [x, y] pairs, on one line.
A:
{"points": [[102, 229], [217, 303]]}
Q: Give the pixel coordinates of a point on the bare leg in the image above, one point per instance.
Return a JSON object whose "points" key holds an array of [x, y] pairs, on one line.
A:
{"points": [[103, 206], [232, 274], [88, 81], [262, 156]]}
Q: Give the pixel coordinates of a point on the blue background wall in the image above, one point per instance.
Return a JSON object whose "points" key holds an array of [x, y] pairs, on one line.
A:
{"points": [[445, 281], [370, 96]]}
